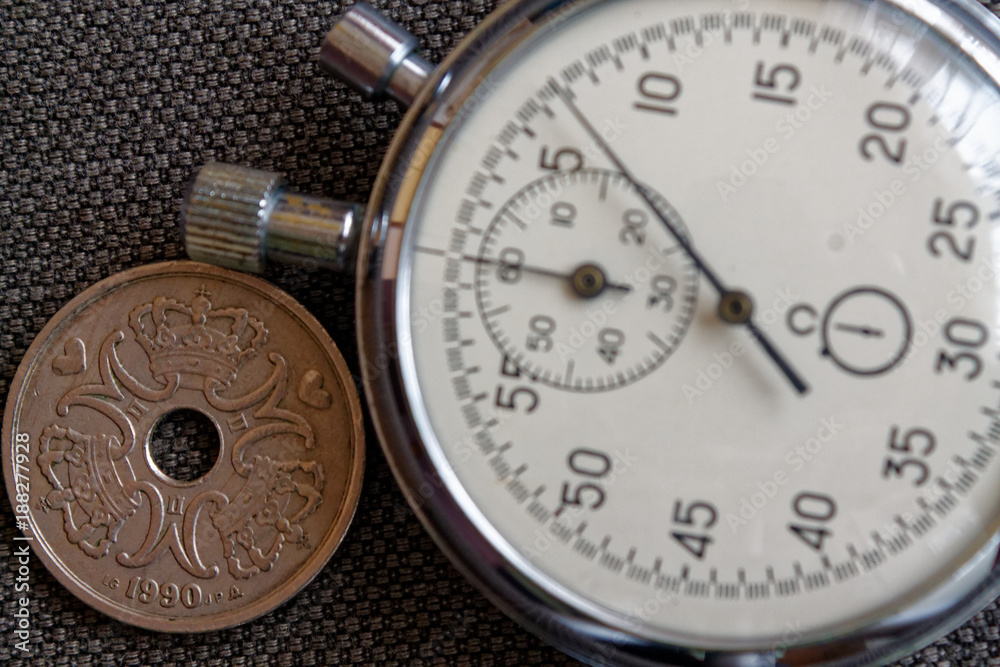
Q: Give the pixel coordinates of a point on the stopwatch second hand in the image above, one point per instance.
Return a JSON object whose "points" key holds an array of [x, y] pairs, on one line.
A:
{"points": [[735, 307]]}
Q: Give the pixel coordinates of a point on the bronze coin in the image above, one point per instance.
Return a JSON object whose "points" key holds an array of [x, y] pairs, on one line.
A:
{"points": [[92, 395]]}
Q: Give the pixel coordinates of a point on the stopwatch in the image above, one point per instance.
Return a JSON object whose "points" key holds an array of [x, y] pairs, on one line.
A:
{"points": [[679, 318]]}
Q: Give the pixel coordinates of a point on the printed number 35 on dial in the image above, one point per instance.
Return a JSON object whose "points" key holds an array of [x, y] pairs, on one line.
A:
{"points": [[716, 360]]}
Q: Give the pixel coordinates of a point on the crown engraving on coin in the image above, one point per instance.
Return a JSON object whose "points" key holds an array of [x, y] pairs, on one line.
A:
{"points": [[265, 484], [195, 338]]}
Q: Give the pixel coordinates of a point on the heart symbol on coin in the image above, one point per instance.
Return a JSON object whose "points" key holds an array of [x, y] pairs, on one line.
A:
{"points": [[74, 359], [311, 391]]}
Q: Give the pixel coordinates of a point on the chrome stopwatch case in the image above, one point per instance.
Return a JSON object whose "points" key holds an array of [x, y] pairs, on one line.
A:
{"points": [[679, 318]]}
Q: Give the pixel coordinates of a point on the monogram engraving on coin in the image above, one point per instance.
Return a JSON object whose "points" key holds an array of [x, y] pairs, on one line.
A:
{"points": [[261, 514], [86, 486]]}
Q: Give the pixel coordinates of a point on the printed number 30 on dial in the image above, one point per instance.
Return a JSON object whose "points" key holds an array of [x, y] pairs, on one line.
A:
{"points": [[718, 359]]}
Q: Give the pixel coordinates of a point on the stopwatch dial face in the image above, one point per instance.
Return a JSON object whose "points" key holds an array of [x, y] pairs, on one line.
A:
{"points": [[644, 459]]}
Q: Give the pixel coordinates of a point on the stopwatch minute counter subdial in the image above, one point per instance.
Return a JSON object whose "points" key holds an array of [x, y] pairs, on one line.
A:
{"points": [[577, 287]]}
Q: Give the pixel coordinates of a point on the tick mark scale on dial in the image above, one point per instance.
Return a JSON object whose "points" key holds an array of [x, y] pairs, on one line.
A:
{"points": [[429, 251], [492, 158], [658, 341], [500, 310], [516, 220]]}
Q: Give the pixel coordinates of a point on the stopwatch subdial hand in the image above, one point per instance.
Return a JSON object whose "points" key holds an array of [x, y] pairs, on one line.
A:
{"points": [[861, 330], [588, 280], [735, 306]]}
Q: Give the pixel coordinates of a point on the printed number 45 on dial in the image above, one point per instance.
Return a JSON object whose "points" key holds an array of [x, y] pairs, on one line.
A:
{"points": [[712, 374]]}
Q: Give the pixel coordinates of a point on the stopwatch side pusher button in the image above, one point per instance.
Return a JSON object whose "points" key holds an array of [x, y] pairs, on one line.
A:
{"points": [[244, 218], [374, 55]]}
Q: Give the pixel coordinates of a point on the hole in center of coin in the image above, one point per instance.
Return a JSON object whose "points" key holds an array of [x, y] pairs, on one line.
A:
{"points": [[184, 445]]}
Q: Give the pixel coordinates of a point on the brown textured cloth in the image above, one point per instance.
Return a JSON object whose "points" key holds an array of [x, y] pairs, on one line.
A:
{"points": [[106, 109]]}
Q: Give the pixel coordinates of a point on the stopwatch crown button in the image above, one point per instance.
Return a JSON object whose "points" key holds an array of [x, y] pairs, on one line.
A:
{"points": [[374, 55], [243, 218]]}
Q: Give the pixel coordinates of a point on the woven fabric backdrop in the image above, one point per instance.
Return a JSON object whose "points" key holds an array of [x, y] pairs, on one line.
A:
{"points": [[106, 110]]}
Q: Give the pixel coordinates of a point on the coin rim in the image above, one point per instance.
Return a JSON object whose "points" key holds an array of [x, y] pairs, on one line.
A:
{"points": [[334, 535]]}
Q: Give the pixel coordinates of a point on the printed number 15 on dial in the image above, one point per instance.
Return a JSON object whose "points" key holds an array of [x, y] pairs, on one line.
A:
{"points": [[716, 359]]}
